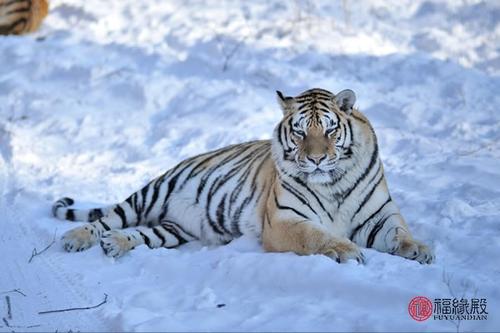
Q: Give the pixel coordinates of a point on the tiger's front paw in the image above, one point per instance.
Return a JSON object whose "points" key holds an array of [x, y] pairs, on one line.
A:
{"points": [[342, 251], [414, 250], [115, 243], [79, 239]]}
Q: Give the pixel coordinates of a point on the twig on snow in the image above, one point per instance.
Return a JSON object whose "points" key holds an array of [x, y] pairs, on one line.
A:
{"points": [[9, 307], [467, 288], [35, 252], [486, 146], [14, 291], [18, 326], [228, 52], [447, 282], [75, 309], [9, 311]]}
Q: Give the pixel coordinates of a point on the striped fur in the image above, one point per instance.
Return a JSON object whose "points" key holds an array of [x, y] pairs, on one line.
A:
{"points": [[317, 186], [21, 16]]}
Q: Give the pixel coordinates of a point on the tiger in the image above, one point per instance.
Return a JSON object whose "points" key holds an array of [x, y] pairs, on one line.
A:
{"points": [[316, 187], [22, 16]]}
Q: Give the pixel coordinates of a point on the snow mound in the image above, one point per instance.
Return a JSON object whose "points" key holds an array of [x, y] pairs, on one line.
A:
{"points": [[104, 98]]}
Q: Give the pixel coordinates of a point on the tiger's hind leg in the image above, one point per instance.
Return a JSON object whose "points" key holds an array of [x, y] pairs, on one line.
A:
{"points": [[86, 236], [115, 243], [81, 238]]}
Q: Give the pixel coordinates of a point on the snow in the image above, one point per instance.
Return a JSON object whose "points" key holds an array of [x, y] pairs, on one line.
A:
{"points": [[106, 97]]}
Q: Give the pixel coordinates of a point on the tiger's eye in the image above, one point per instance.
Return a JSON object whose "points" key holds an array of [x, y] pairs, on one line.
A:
{"points": [[300, 133]]}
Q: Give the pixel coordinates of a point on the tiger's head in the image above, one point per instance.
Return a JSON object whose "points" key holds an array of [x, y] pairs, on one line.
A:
{"points": [[314, 134]]}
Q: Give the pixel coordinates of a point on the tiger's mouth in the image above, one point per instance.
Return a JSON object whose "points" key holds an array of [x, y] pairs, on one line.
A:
{"points": [[319, 175], [316, 169], [313, 170]]}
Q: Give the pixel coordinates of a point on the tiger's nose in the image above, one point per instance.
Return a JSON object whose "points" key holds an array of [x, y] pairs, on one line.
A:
{"points": [[316, 159]]}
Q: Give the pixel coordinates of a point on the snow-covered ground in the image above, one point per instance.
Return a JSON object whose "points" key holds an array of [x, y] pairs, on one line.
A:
{"points": [[109, 94]]}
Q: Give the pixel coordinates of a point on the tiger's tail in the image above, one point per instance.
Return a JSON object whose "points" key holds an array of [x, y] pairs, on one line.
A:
{"points": [[61, 210]]}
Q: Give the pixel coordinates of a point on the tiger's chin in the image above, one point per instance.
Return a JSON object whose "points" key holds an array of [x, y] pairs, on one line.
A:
{"points": [[321, 176]]}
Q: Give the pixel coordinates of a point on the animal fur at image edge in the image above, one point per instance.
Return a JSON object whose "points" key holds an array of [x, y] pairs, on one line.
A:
{"points": [[22, 16]]}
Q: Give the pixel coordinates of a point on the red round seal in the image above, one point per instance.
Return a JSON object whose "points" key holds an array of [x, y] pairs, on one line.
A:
{"points": [[420, 308]]}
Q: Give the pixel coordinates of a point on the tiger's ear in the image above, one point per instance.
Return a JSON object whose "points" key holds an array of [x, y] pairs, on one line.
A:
{"points": [[287, 103], [345, 100]]}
